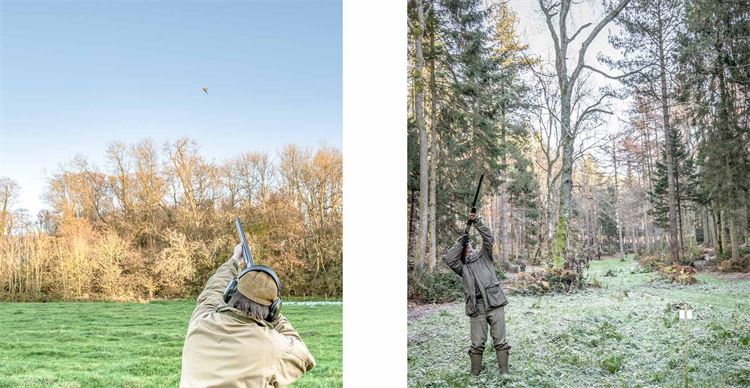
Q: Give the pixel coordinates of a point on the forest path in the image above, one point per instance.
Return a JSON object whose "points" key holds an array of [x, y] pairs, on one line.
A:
{"points": [[625, 333]]}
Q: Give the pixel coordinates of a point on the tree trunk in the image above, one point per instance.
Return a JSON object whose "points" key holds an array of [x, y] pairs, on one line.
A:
{"points": [[672, 191], [725, 237], [504, 210], [733, 235], [550, 214], [413, 223], [433, 156], [495, 221], [709, 239], [645, 230], [681, 231], [718, 232], [692, 223], [516, 229], [566, 187], [618, 221], [424, 188], [634, 233]]}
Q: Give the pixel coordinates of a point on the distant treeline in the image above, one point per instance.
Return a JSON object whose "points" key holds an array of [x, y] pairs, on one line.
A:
{"points": [[155, 222]]}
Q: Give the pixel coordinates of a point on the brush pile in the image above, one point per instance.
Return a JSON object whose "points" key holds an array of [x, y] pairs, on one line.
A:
{"points": [[680, 274]]}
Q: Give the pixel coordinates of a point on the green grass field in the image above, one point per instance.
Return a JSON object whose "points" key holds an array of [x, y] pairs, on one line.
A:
{"points": [[133, 345], [624, 334]]}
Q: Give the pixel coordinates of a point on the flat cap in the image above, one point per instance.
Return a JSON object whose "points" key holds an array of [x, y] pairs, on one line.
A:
{"points": [[258, 287]]}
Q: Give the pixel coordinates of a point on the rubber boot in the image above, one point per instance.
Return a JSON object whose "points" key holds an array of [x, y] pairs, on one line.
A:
{"points": [[502, 360], [476, 363]]}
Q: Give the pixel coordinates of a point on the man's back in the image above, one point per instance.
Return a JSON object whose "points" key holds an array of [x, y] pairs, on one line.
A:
{"points": [[227, 349]]}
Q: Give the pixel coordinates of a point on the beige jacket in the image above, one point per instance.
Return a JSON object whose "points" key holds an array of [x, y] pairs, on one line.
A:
{"points": [[226, 349]]}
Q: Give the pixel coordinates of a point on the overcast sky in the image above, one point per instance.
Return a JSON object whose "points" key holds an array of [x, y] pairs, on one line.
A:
{"points": [[75, 76]]}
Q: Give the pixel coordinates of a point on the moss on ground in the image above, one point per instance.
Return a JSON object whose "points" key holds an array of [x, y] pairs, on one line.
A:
{"points": [[623, 334]]}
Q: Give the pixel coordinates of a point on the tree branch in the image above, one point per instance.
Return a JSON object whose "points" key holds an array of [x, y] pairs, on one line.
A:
{"points": [[621, 76], [579, 31], [548, 16], [593, 108], [599, 27]]}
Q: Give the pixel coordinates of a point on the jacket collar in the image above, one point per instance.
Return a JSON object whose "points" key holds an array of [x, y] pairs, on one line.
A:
{"points": [[240, 316]]}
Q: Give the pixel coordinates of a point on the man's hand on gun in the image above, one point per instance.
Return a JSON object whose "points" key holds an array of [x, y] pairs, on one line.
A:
{"points": [[464, 239], [238, 257]]}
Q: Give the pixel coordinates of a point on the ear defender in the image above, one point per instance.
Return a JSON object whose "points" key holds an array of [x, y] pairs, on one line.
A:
{"points": [[274, 310], [275, 307], [230, 290]]}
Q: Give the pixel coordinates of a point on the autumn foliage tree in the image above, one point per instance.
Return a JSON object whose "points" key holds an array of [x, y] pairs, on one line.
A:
{"points": [[155, 222]]}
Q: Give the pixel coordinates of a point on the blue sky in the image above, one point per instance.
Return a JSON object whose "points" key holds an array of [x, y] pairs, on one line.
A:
{"points": [[77, 75]]}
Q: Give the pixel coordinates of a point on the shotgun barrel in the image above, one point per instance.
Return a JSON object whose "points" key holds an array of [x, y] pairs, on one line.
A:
{"points": [[247, 254], [474, 204]]}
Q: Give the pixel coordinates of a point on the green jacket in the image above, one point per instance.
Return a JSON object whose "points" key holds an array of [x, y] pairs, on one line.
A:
{"points": [[477, 271], [224, 348]]}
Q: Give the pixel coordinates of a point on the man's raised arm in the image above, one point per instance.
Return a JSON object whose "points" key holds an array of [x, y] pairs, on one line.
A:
{"points": [[487, 239], [212, 295], [453, 257]]}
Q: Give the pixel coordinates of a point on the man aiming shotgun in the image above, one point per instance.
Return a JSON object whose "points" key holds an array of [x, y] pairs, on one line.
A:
{"points": [[237, 336], [484, 296]]}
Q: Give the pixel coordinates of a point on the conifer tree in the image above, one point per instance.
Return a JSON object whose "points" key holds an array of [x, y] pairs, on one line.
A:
{"points": [[685, 184], [713, 52], [467, 123]]}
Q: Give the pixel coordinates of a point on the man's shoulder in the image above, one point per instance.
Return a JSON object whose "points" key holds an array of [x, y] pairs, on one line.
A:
{"points": [[224, 321], [282, 342]]}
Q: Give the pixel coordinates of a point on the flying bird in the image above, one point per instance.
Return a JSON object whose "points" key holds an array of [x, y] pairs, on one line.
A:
{"points": [[205, 89]]}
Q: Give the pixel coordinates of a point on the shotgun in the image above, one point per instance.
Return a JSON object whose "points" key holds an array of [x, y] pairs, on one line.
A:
{"points": [[247, 256], [473, 210]]}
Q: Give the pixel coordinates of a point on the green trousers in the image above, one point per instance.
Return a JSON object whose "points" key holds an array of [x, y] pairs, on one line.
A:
{"points": [[494, 320]]}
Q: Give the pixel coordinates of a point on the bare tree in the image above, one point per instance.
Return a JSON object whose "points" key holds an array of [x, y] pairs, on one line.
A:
{"points": [[8, 194], [568, 83]]}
